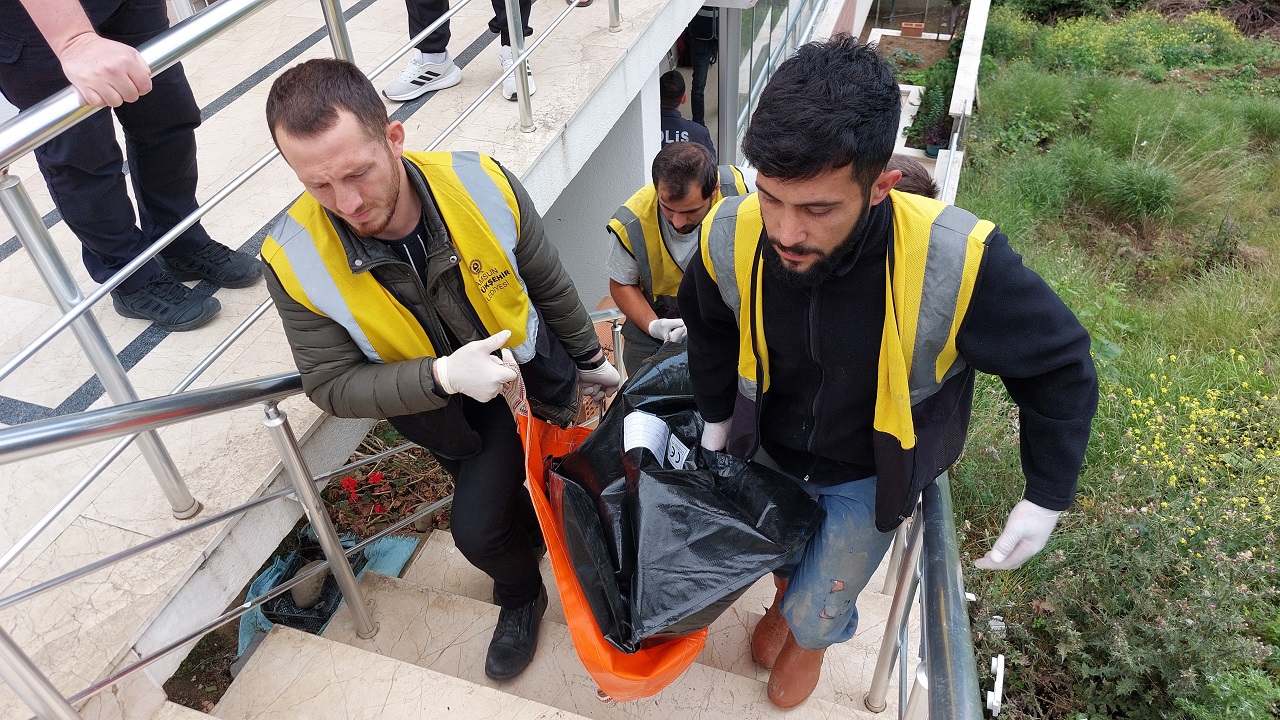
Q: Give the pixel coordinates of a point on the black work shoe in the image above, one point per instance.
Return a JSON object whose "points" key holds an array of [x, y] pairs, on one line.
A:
{"points": [[515, 639], [216, 263], [167, 303]]}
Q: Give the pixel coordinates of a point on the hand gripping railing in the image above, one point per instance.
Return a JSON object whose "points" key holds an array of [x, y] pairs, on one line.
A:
{"points": [[946, 679]]}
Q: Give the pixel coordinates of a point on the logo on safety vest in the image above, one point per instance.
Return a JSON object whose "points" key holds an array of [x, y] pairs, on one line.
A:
{"points": [[476, 267]]}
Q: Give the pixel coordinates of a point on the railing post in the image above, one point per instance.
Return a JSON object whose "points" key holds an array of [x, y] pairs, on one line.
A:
{"points": [[337, 25], [277, 423], [53, 270], [615, 15], [903, 595], [617, 346], [895, 557], [917, 706], [30, 685], [515, 28]]}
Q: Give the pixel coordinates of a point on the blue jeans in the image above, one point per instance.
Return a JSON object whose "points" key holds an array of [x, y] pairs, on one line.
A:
{"points": [[820, 604]]}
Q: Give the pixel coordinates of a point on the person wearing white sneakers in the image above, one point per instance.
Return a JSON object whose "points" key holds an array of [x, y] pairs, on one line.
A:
{"points": [[430, 67]]}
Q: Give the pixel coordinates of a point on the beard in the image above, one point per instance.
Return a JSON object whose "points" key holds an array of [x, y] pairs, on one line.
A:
{"points": [[384, 209], [825, 265]]}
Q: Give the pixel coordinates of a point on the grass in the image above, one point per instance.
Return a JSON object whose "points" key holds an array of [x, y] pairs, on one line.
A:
{"points": [[1152, 212]]}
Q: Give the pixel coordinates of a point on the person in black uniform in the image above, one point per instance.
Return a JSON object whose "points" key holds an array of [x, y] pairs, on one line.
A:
{"points": [[703, 46], [48, 44], [674, 127]]}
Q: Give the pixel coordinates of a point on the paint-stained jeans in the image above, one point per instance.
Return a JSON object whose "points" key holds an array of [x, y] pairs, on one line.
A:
{"points": [[820, 604]]}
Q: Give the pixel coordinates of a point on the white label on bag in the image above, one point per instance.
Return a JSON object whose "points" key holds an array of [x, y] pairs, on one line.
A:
{"points": [[676, 453]]}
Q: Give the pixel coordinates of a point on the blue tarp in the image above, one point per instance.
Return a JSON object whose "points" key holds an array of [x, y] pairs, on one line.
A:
{"points": [[387, 557]]}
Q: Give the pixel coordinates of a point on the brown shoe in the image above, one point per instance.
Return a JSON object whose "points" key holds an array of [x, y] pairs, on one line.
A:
{"points": [[767, 637], [795, 674]]}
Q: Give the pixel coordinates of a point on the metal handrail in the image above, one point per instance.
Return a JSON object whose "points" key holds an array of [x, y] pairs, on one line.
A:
{"points": [[52, 514], [69, 431], [946, 680], [953, 152], [248, 605], [953, 671], [62, 110]]}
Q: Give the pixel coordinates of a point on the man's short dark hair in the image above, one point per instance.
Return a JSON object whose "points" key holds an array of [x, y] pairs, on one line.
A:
{"points": [[305, 100], [681, 164], [671, 88], [832, 104], [915, 178]]}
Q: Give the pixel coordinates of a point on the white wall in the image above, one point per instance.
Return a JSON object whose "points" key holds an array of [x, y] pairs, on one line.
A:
{"points": [[619, 166]]}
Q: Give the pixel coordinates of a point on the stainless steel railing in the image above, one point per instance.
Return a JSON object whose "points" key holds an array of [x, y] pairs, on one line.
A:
{"points": [[62, 433], [945, 682]]}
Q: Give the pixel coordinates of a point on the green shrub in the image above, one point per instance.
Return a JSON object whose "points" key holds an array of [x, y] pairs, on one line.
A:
{"points": [[1024, 90], [1139, 41], [1262, 117], [1221, 38], [1242, 695], [1139, 190], [1009, 34], [1041, 184]]}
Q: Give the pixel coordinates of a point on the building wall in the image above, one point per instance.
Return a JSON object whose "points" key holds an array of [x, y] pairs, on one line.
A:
{"points": [[618, 167]]}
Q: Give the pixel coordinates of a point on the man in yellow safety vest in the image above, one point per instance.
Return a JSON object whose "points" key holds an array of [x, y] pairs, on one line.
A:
{"points": [[835, 327], [399, 276]]}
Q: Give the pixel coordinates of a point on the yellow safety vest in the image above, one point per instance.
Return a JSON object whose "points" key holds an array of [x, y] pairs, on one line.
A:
{"points": [[638, 218], [936, 251], [478, 206]]}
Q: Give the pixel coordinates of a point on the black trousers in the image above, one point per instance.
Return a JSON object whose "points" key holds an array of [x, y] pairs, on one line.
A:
{"points": [[700, 54], [83, 167], [424, 12], [494, 524]]}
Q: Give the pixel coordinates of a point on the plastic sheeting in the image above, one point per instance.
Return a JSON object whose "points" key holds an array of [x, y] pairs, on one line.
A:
{"points": [[662, 551]]}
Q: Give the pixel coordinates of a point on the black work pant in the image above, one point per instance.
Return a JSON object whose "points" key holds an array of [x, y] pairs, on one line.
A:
{"points": [[424, 12], [700, 54], [83, 167], [494, 524]]}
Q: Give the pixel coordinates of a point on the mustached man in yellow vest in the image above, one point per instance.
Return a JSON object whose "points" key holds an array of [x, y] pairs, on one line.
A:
{"points": [[835, 326], [399, 277], [652, 237]]}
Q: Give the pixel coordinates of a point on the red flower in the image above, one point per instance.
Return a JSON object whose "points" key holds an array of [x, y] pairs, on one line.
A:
{"points": [[353, 498], [349, 484], [375, 478], [379, 508]]}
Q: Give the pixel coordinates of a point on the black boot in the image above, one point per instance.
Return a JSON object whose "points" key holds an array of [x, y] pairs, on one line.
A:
{"points": [[515, 638]]}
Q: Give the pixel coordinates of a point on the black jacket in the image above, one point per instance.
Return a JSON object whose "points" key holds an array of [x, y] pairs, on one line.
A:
{"points": [[676, 129], [816, 418]]}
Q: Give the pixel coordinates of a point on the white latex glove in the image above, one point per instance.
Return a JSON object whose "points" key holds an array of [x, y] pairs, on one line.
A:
{"points": [[715, 435], [668, 330], [473, 371], [599, 383], [1025, 533]]}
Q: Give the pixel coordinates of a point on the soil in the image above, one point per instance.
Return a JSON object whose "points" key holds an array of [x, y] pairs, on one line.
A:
{"points": [[931, 50], [205, 675]]}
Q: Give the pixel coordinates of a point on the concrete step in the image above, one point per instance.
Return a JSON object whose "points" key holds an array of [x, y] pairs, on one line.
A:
{"points": [[450, 634], [297, 675], [847, 670]]}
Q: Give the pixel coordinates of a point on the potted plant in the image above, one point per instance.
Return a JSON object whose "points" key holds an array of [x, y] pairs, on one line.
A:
{"points": [[936, 137]]}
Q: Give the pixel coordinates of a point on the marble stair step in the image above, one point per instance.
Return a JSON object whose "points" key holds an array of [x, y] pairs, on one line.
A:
{"points": [[847, 670], [450, 633], [298, 675], [174, 711]]}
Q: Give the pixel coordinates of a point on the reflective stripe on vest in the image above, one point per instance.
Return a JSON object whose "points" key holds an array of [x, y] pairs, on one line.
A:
{"points": [[937, 250], [638, 218], [480, 210]]}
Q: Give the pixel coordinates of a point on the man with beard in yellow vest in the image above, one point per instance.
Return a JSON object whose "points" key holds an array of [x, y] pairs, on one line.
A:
{"points": [[656, 233], [399, 276], [835, 327]]}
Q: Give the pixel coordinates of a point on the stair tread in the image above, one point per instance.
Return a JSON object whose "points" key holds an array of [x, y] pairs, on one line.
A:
{"points": [[450, 633], [173, 711], [846, 672], [298, 675]]}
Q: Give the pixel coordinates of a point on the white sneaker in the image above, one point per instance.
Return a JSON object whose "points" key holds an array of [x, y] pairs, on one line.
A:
{"points": [[420, 77], [509, 82]]}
